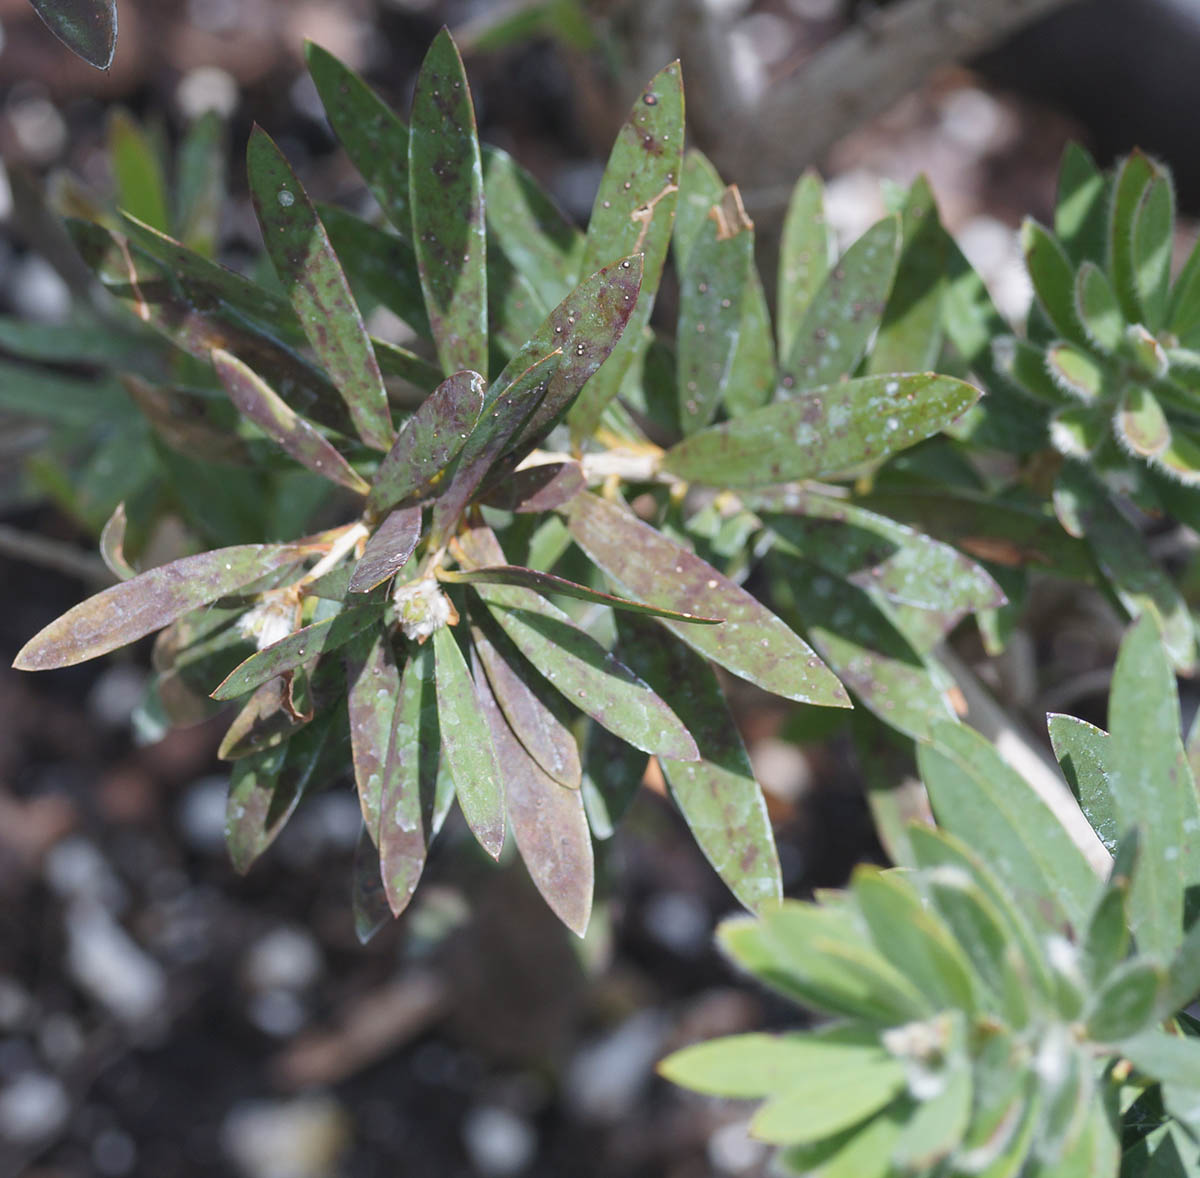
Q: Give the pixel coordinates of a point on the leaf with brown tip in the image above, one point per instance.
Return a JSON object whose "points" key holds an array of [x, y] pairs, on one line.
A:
{"points": [[256, 400], [131, 610], [753, 642], [112, 545]]}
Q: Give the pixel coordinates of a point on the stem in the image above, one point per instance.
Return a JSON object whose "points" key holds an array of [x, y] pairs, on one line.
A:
{"points": [[340, 548]]}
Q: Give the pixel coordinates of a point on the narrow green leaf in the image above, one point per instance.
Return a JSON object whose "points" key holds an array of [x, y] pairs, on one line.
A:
{"points": [[753, 642], [1097, 308], [201, 183], [374, 138], [502, 417], [844, 313], [827, 431], [388, 549], [298, 647], [1184, 315], [536, 724], [718, 795], [467, 745], [712, 288], [873, 552], [1127, 1002], [258, 402], [446, 193], [428, 442], [803, 257], [1170, 1059], [1053, 280], [633, 213], [507, 574], [1075, 371], [373, 686], [979, 797], [310, 272], [1105, 941], [1081, 212], [539, 241], [700, 188], [1153, 239], [126, 612], [137, 171], [86, 27], [1135, 175], [548, 822], [752, 380], [50, 396], [1084, 753], [743, 1067], [408, 806], [938, 1125]]}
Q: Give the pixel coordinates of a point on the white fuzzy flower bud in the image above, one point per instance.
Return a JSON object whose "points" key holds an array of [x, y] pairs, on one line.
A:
{"points": [[271, 620], [422, 608]]}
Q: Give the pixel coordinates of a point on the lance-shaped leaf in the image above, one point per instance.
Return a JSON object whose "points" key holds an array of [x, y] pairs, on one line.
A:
{"points": [[86, 27], [514, 686], [803, 257], [548, 822], [1081, 210], [311, 274], [1097, 307], [537, 489], [827, 431], [634, 213], [374, 138], [137, 170], [257, 401], [979, 797], [388, 549], [272, 714], [718, 796], [1053, 280], [753, 642], [467, 745], [410, 780], [873, 552], [1136, 579], [298, 647], [126, 612], [1136, 174], [445, 189], [710, 309], [910, 333], [845, 312], [502, 416], [865, 651], [201, 187], [537, 239], [428, 442], [1083, 752], [1151, 787], [1153, 237], [266, 788], [700, 188], [373, 691], [112, 545], [507, 574], [586, 325], [752, 381]]}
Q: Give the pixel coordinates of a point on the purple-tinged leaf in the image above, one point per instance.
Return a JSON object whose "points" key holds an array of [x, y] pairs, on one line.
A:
{"points": [[507, 574], [112, 545], [574, 663], [827, 431], [503, 415], [718, 796], [368, 895], [445, 189], [467, 745], [537, 489], [634, 213], [271, 715], [129, 611], [586, 325], [428, 442], [86, 27], [548, 822], [257, 401], [388, 549], [298, 647], [311, 274], [373, 690], [753, 643], [374, 138], [405, 364], [874, 552], [844, 312], [545, 737], [265, 788], [712, 288], [408, 806]]}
